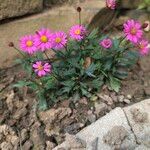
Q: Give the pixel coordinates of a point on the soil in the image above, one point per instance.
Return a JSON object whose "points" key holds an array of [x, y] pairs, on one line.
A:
{"points": [[32, 128]]}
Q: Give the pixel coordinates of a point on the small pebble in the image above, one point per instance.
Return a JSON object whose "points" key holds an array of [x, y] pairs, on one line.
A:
{"points": [[121, 98], [129, 96], [127, 101]]}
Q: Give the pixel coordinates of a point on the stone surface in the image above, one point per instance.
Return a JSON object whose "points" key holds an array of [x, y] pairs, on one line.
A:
{"points": [[9, 8], [139, 119], [59, 18], [8, 138], [130, 4], [109, 132], [50, 3], [52, 117]]}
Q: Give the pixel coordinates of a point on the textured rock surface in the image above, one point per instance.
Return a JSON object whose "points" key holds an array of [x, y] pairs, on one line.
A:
{"points": [[8, 138], [130, 4], [102, 134], [13, 8], [139, 118], [59, 18]]}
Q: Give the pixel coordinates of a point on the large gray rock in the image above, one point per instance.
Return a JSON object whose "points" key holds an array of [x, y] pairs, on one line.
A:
{"points": [[13, 8], [130, 4], [108, 133], [139, 119]]}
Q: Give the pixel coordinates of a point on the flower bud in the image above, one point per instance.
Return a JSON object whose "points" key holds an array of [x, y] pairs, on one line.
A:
{"points": [[146, 26], [11, 44], [79, 9], [111, 4]]}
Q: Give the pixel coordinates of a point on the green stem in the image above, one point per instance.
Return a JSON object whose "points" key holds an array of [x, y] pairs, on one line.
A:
{"points": [[80, 18], [47, 55], [19, 51]]}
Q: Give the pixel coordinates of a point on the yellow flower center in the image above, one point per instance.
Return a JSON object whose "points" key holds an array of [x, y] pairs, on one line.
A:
{"points": [[44, 39], [29, 43], [133, 31], [78, 32], [40, 67], [141, 46], [58, 40]]}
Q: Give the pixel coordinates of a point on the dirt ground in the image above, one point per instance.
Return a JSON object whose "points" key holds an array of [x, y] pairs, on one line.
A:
{"points": [[21, 120]]}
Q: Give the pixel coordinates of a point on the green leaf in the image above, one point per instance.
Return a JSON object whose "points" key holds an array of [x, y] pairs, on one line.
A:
{"points": [[20, 84], [121, 74], [42, 101], [93, 34], [115, 84], [90, 70]]}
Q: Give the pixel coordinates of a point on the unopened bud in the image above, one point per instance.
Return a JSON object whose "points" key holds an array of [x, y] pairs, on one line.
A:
{"points": [[11, 44], [146, 26], [111, 4], [79, 9]]}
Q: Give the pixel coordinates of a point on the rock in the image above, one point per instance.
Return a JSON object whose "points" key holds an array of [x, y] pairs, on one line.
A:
{"points": [[6, 146], [112, 129], [138, 116], [91, 118], [27, 145], [127, 101], [121, 98], [52, 117], [109, 123], [50, 3], [115, 137], [9, 9], [73, 128], [24, 135], [100, 108], [139, 119], [83, 101], [114, 97], [8, 138], [106, 98], [127, 4], [74, 143], [49, 145], [129, 96], [141, 147], [36, 135], [20, 113], [147, 91], [9, 100]]}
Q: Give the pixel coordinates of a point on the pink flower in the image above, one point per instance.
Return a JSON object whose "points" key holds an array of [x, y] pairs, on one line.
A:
{"points": [[143, 45], [59, 40], [27, 44], [77, 32], [106, 43], [43, 39], [133, 30], [41, 68], [111, 4]]}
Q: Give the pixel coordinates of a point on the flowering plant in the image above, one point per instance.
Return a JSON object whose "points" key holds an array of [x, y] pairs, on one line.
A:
{"points": [[83, 61]]}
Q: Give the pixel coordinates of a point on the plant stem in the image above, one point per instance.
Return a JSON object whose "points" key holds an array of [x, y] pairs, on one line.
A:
{"points": [[47, 55], [80, 18], [19, 51]]}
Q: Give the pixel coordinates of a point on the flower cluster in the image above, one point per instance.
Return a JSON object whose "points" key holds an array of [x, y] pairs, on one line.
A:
{"points": [[134, 33], [44, 39]]}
